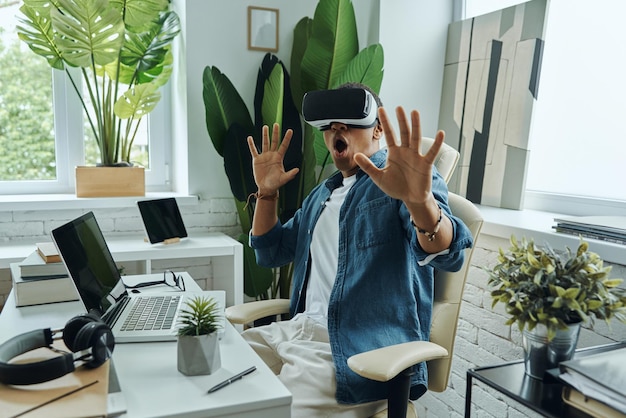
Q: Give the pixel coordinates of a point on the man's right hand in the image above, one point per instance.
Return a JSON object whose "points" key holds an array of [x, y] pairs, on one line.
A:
{"points": [[268, 168]]}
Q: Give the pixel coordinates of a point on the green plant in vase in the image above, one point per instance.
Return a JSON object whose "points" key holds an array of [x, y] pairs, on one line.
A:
{"points": [[549, 295], [198, 340], [121, 52]]}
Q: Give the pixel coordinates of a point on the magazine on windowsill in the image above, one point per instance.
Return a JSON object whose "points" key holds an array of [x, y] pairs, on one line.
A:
{"points": [[605, 228]]}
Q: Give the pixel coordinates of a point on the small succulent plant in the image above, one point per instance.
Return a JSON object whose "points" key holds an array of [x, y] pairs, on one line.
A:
{"points": [[200, 316], [540, 286]]}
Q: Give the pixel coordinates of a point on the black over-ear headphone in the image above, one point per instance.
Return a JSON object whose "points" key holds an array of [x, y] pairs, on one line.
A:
{"points": [[90, 340]]}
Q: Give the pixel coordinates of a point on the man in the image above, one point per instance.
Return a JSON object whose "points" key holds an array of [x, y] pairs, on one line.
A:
{"points": [[364, 246]]}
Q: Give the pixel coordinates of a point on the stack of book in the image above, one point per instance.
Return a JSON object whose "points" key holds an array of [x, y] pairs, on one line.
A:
{"points": [[605, 228], [596, 384], [41, 278]]}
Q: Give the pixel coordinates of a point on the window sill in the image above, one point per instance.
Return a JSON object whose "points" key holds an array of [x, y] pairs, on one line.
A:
{"points": [[10, 203], [502, 223]]}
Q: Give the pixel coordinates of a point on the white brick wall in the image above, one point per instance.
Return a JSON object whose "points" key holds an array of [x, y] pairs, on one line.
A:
{"points": [[482, 337]]}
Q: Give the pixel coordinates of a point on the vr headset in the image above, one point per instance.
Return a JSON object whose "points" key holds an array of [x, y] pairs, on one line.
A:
{"points": [[351, 106]]}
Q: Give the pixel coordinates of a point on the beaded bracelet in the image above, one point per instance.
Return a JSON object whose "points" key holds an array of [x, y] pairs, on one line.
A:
{"points": [[430, 235]]}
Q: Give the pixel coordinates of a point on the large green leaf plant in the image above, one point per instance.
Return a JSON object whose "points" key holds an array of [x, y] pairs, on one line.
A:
{"points": [[325, 55], [121, 49], [229, 124]]}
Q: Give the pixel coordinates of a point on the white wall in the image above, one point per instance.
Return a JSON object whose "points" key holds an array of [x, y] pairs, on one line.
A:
{"points": [[413, 34]]}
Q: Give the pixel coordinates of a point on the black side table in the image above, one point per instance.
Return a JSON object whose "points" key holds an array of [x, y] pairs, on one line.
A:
{"points": [[542, 396]]}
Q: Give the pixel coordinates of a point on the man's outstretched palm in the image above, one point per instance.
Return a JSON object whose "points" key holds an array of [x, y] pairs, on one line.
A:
{"points": [[408, 174], [267, 166]]}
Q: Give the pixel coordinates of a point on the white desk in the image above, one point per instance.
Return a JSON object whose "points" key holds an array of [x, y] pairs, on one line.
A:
{"points": [[150, 381], [226, 256]]}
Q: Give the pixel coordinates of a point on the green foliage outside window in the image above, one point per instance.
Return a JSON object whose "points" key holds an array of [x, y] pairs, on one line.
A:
{"points": [[26, 117]]}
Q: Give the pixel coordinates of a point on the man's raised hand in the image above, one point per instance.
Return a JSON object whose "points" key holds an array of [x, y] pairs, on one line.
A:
{"points": [[408, 174], [269, 171]]}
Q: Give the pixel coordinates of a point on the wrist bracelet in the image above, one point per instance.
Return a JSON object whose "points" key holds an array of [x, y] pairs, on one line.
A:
{"points": [[430, 235], [259, 196]]}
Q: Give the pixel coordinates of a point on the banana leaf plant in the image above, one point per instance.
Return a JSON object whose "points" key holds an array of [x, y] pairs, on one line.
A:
{"points": [[325, 55], [229, 124], [122, 51]]}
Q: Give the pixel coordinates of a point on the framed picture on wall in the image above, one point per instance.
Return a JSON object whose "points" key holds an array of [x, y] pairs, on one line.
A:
{"points": [[262, 29]]}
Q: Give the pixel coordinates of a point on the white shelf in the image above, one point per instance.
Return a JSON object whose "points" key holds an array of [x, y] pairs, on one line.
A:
{"points": [[226, 256]]}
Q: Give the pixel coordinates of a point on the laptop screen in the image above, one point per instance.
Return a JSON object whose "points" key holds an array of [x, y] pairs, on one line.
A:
{"points": [[162, 219], [88, 260]]}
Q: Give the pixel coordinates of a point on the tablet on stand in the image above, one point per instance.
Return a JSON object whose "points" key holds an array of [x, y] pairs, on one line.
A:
{"points": [[162, 220]]}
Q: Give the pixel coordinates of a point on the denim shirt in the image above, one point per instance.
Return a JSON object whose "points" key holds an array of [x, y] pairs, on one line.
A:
{"points": [[381, 296]]}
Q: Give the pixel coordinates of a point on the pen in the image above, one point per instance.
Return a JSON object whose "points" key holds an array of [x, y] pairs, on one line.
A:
{"points": [[232, 379]]}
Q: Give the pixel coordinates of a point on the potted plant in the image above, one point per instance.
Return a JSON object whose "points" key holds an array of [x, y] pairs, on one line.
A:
{"points": [[122, 50], [549, 295], [198, 342]]}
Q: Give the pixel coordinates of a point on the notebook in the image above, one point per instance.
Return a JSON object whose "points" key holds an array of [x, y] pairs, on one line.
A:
{"points": [[162, 219], [97, 279]]}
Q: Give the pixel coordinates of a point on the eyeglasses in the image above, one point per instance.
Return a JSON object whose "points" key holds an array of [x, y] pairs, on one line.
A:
{"points": [[169, 278]]}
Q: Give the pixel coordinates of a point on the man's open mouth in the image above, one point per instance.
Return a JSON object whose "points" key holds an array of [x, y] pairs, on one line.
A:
{"points": [[340, 145]]}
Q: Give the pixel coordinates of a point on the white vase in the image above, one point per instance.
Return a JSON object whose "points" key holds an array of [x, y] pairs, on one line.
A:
{"points": [[541, 354], [198, 355]]}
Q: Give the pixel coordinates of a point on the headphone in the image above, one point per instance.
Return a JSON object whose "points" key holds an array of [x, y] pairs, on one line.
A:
{"points": [[90, 340]]}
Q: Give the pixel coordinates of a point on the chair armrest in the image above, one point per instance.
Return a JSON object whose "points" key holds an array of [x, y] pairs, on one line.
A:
{"points": [[383, 364], [251, 311]]}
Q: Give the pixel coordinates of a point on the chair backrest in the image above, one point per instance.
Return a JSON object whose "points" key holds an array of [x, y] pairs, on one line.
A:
{"points": [[446, 160], [449, 288]]}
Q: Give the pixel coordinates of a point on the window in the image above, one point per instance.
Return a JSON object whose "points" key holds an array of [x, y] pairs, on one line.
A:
{"points": [[577, 130], [41, 142]]}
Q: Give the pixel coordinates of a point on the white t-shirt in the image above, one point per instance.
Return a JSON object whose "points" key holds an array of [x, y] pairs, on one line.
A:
{"points": [[324, 257]]}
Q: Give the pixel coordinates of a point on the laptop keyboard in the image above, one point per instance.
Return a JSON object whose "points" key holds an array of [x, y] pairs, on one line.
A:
{"points": [[152, 312]]}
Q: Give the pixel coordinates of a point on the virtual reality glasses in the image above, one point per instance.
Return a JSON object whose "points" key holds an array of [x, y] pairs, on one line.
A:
{"points": [[354, 107]]}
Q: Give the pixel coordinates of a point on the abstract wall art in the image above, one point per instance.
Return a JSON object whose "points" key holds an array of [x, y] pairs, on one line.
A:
{"points": [[491, 82]]}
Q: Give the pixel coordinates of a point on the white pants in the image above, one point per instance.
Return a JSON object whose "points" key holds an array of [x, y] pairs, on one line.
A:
{"points": [[298, 352]]}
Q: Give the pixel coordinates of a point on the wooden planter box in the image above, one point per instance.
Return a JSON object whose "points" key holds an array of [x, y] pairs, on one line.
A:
{"points": [[110, 181]]}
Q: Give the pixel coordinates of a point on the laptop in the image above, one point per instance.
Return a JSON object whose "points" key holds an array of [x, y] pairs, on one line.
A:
{"points": [[99, 284], [162, 219]]}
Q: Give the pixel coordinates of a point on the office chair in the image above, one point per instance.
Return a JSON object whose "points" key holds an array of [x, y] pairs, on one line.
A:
{"points": [[446, 160], [394, 363]]}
